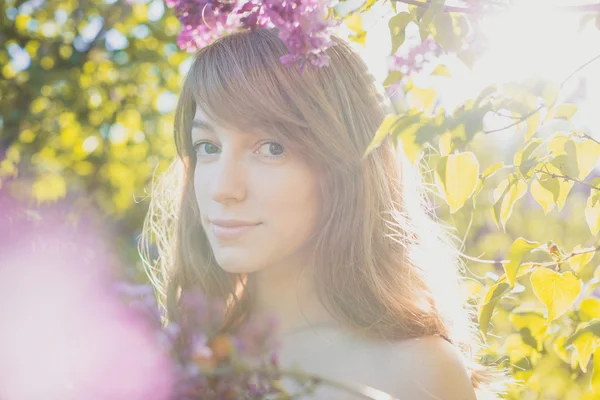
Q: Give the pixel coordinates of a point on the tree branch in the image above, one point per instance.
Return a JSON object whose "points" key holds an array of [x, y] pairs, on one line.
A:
{"points": [[568, 178], [562, 84], [466, 10]]}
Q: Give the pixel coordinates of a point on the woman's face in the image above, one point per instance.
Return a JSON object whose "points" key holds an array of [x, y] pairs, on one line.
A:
{"points": [[258, 201]]}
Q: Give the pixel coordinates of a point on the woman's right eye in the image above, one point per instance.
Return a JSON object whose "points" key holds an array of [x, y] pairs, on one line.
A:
{"points": [[204, 148]]}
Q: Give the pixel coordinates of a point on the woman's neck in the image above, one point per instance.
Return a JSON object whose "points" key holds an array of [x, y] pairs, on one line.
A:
{"points": [[288, 294]]}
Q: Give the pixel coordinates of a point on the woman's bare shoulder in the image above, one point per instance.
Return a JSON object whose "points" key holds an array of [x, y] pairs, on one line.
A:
{"points": [[429, 368]]}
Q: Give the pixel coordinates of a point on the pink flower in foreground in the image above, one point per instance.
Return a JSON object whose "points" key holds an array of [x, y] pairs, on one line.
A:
{"points": [[64, 334]]}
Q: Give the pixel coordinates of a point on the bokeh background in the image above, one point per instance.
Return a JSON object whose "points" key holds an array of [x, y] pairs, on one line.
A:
{"points": [[88, 90]]}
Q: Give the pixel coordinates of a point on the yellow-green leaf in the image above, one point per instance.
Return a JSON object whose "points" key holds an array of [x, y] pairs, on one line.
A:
{"points": [[587, 154], [498, 194], [546, 191], [422, 98], [558, 291], [592, 326], [445, 143], [579, 261], [589, 309], [382, 132], [523, 158], [584, 345], [354, 22], [397, 25], [557, 146], [513, 193], [595, 382], [456, 177], [592, 211], [489, 171], [441, 70], [564, 111], [518, 249], [408, 143], [486, 309], [393, 77], [531, 320]]}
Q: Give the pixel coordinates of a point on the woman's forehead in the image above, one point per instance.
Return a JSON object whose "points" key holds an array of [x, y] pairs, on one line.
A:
{"points": [[202, 122]]}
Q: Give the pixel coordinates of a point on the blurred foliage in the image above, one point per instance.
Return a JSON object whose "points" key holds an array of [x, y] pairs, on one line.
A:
{"points": [[525, 198], [86, 100]]}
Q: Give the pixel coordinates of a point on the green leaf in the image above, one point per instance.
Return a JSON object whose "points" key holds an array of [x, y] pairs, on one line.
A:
{"points": [[382, 132], [393, 77], [566, 164], [489, 171], [592, 211], [354, 23], [592, 327], [530, 321], [485, 93], [546, 191], [504, 207], [589, 309], [499, 193], [523, 157], [397, 25], [443, 32], [492, 298], [436, 7], [518, 249], [441, 70], [579, 261], [456, 177], [445, 143], [595, 382], [564, 111], [586, 154], [423, 98], [558, 291], [584, 345]]}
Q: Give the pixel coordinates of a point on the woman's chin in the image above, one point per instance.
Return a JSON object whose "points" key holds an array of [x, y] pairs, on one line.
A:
{"points": [[237, 265]]}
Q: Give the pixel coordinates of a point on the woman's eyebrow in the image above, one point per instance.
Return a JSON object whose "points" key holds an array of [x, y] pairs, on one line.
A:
{"points": [[202, 125]]}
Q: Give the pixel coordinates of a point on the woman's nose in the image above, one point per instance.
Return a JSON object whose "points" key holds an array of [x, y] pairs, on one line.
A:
{"points": [[228, 182]]}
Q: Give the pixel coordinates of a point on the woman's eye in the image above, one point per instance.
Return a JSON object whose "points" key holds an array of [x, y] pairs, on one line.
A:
{"points": [[206, 148], [272, 150]]}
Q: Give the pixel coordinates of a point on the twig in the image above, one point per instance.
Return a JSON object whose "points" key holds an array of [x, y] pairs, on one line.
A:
{"points": [[465, 10], [542, 106], [591, 138], [568, 178]]}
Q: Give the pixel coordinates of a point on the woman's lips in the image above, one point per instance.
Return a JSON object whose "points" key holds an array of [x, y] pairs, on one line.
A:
{"points": [[231, 232]]}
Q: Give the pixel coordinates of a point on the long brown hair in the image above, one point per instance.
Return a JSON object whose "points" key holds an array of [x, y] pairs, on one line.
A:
{"points": [[386, 266]]}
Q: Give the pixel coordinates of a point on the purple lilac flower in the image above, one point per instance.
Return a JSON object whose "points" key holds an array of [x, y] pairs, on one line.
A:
{"points": [[416, 58], [302, 25]]}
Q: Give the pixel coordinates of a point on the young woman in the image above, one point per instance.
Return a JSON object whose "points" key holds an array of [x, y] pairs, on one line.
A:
{"points": [[276, 210]]}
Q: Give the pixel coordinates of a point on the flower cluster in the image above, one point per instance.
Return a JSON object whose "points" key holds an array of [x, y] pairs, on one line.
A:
{"points": [[76, 327], [303, 25], [416, 58], [219, 367]]}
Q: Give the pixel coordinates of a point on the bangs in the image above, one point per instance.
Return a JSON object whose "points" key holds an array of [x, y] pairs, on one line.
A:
{"points": [[239, 83]]}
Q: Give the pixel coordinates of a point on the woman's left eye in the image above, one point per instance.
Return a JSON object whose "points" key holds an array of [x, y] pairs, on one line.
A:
{"points": [[272, 150]]}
